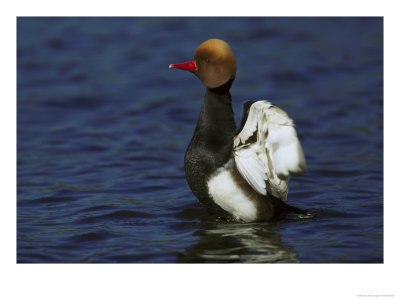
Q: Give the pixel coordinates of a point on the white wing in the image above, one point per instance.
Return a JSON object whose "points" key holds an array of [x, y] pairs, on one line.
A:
{"points": [[248, 164], [267, 161]]}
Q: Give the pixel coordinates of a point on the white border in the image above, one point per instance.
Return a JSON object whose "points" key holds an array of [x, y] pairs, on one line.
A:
{"points": [[138, 281]]}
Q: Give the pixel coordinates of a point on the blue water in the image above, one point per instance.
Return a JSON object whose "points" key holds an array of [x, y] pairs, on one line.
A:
{"points": [[103, 124]]}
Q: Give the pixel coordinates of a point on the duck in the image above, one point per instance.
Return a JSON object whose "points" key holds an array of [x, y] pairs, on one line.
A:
{"points": [[241, 174]]}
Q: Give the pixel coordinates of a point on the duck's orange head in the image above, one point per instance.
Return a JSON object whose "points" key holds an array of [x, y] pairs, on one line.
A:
{"points": [[214, 63]]}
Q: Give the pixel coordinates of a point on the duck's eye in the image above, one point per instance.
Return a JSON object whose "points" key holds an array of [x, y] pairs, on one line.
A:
{"points": [[207, 60]]}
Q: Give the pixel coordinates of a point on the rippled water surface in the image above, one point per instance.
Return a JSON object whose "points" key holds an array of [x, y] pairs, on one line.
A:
{"points": [[102, 126]]}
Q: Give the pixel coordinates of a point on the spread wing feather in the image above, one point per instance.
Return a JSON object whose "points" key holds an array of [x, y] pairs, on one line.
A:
{"points": [[267, 162], [250, 168]]}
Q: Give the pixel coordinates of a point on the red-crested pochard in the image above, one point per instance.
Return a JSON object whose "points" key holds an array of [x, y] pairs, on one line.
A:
{"points": [[244, 174]]}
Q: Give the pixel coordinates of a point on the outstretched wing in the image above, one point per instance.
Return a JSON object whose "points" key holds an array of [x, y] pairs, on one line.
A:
{"points": [[267, 150]]}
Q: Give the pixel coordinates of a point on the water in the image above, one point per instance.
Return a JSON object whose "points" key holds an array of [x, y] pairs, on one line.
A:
{"points": [[102, 126]]}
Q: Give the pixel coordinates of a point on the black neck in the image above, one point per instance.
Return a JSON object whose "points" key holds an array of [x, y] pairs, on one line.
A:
{"points": [[223, 89], [216, 125]]}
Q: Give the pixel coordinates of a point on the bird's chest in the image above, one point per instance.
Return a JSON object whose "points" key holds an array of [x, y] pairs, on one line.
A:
{"points": [[208, 150], [205, 154]]}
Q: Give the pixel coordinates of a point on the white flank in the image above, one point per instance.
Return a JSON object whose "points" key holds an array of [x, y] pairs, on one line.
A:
{"points": [[231, 197]]}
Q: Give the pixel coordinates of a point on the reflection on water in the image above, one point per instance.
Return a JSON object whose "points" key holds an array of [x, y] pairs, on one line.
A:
{"points": [[249, 243]]}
